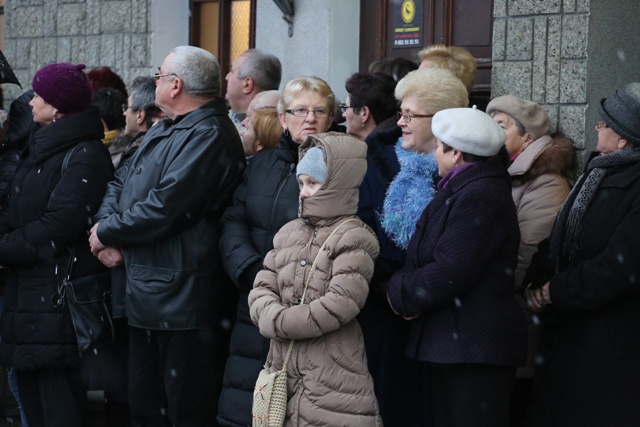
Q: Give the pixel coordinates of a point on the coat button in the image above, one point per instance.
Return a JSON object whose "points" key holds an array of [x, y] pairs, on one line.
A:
{"points": [[138, 170], [303, 262], [447, 202]]}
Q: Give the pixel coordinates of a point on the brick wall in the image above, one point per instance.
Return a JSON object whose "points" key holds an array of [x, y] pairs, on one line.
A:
{"points": [[540, 53], [113, 33]]}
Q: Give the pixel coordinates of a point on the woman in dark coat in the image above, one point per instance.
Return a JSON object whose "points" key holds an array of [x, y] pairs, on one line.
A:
{"points": [[265, 201], [50, 210], [457, 284], [587, 285]]}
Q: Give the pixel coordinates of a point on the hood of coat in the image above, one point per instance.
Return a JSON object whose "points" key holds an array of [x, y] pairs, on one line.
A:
{"points": [[546, 155], [346, 158]]}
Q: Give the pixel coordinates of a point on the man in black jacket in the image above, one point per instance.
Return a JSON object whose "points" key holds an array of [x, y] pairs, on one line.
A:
{"points": [[163, 210]]}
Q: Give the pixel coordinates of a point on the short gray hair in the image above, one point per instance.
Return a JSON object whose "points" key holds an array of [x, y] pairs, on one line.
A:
{"points": [[143, 93], [143, 97], [198, 69], [264, 69]]}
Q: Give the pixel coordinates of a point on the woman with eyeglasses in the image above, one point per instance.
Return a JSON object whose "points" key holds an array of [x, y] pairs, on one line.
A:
{"points": [[265, 201], [584, 281], [541, 169], [402, 384], [422, 93]]}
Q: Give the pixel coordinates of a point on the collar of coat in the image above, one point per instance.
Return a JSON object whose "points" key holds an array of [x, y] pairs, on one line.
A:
{"points": [[65, 133], [546, 155]]}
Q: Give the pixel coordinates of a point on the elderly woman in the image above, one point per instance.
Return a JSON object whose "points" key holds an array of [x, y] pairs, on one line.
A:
{"points": [[587, 280], [422, 93], [58, 186], [261, 130], [541, 170], [264, 202], [541, 175], [456, 287], [456, 59]]}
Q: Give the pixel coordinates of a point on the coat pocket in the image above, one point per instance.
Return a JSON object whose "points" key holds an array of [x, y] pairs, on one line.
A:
{"points": [[160, 298]]}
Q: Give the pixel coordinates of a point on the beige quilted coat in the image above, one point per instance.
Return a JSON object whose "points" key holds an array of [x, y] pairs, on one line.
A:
{"points": [[328, 380]]}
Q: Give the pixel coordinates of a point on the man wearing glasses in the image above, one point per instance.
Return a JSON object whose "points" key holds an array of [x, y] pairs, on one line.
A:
{"points": [[160, 219]]}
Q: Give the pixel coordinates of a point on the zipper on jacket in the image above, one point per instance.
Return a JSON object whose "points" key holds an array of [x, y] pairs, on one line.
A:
{"points": [[292, 167]]}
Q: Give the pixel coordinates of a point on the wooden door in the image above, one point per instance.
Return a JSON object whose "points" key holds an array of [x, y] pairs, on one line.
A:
{"points": [[465, 23]]}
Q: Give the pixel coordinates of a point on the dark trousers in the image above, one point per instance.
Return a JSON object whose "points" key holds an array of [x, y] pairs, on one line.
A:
{"points": [[172, 378], [472, 395], [402, 385], [53, 397]]}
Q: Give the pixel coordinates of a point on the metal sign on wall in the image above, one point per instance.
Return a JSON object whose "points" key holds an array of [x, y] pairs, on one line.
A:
{"points": [[407, 28]]}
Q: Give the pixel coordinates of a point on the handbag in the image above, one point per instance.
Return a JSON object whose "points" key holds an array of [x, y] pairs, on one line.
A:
{"points": [[270, 392], [88, 302]]}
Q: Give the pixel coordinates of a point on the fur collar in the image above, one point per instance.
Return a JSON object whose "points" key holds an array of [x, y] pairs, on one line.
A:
{"points": [[546, 155], [409, 194]]}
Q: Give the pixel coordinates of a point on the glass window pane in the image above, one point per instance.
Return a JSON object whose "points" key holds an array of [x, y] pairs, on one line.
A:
{"points": [[209, 18], [240, 26]]}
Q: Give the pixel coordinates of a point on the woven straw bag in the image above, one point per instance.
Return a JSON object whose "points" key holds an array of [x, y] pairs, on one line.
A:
{"points": [[270, 392], [270, 396]]}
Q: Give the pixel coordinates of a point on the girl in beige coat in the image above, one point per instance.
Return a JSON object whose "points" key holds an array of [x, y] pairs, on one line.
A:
{"points": [[328, 380]]}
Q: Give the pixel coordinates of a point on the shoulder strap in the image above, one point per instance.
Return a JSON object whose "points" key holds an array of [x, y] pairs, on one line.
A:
{"points": [[313, 266], [72, 250], [306, 284], [67, 159]]}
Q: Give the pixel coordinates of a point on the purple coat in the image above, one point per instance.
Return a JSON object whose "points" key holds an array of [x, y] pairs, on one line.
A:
{"points": [[459, 274]]}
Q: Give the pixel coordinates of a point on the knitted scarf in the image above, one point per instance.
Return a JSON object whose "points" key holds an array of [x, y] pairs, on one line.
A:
{"points": [[408, 194], [566, 237]]}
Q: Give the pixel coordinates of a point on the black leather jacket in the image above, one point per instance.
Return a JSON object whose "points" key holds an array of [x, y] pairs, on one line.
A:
{"points": [[163, 210]]}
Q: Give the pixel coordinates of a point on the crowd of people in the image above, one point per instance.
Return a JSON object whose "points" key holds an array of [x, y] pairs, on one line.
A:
{"points": [[408, 258]]}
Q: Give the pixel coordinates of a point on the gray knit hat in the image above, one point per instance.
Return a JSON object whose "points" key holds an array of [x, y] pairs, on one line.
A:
{"points": [[621, 112], [531, 115], [313, 164]]}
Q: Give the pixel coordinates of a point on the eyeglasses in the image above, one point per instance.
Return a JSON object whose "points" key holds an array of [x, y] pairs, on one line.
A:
{"points": [[344, 107], [600, 124], [408, 116], [304, 112], [125, 107], [158, 76]]}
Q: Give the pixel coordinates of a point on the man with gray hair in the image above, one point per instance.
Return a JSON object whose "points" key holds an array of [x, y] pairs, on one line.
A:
{"points": [[140, 113], [253, 71], [160, 218]]}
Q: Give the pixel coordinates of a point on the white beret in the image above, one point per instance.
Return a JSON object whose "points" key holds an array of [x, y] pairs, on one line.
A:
{"points": [[468, 130]]}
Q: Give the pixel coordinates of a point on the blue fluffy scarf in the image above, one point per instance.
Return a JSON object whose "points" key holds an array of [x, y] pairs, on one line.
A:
{"points": [[409, 193]]}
